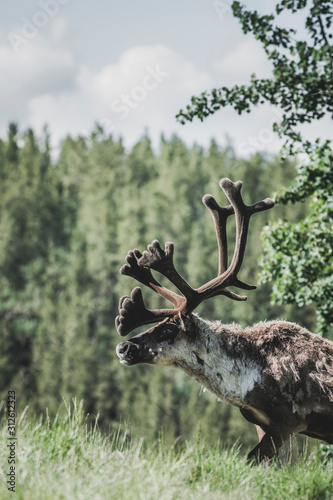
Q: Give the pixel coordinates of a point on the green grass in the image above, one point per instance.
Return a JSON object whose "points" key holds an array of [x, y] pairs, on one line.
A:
{"points": [[70, 459]]}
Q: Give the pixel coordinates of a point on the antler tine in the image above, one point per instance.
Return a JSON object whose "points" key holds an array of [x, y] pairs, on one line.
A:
{"points": [[144, 276], [243, 213], [220, 216], [133, 313], [162, 261]]}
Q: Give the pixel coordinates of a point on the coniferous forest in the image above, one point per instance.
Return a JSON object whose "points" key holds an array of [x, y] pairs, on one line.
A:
{"points": [[67, 221]]}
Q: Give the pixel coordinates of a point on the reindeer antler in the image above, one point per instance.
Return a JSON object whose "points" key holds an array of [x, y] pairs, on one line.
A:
{"points": [[132, 311]]}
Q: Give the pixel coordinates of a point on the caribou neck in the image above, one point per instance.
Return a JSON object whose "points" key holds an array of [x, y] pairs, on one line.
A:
{"points": [[216, 364]]}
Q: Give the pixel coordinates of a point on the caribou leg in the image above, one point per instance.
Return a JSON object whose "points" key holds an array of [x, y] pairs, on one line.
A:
{"points": [[272, 440]]}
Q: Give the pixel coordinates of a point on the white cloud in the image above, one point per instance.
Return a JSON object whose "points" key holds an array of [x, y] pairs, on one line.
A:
{"points": [[144, 89], [35, 69], [63, 113], [60, 30], [40, 66], [237, 65]]}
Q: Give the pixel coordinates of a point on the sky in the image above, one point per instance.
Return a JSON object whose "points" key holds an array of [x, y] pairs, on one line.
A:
{"points": [[129, 66]]}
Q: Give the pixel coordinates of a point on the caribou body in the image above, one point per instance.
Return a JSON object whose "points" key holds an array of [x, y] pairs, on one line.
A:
{"points": [[279, 374]]}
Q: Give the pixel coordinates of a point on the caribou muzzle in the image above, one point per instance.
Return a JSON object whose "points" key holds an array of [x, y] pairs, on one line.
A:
{"points": [[131, 353]]}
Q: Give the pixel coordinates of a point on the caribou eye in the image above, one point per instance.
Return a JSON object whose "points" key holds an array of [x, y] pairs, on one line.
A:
{"points": [[169, 333], [166, 332]]}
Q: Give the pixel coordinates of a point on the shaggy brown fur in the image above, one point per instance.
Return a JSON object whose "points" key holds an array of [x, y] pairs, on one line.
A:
{"points": [[279, 374]]}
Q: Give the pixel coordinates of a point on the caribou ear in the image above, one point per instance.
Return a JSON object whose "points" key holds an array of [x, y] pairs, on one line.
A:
{"points": [[186, 323], [181, 320]]}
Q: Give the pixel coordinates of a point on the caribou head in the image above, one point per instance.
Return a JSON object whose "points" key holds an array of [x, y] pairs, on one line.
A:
{"points": [[132, 311]]}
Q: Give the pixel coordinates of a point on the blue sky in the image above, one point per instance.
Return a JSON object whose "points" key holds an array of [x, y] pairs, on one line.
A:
{"points": [[130, 66]]}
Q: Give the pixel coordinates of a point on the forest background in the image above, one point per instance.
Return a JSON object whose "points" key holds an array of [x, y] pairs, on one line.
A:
{"points": [[68, 218], [66, 226]]}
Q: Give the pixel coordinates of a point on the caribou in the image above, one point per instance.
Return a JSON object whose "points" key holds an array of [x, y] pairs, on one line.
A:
{"points": [[277, 373]]}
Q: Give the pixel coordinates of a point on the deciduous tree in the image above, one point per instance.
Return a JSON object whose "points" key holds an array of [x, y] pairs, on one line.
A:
{"points": [[299, 257]]}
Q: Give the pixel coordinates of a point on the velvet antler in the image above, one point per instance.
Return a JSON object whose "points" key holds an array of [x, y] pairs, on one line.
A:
{"points": [[132, 311]]}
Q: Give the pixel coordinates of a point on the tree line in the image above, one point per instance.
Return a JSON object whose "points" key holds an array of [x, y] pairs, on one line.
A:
{"points": [[66, 226]]}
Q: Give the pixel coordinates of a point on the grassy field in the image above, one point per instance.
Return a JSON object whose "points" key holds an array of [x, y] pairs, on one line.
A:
{"points": [[70, 458]]}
